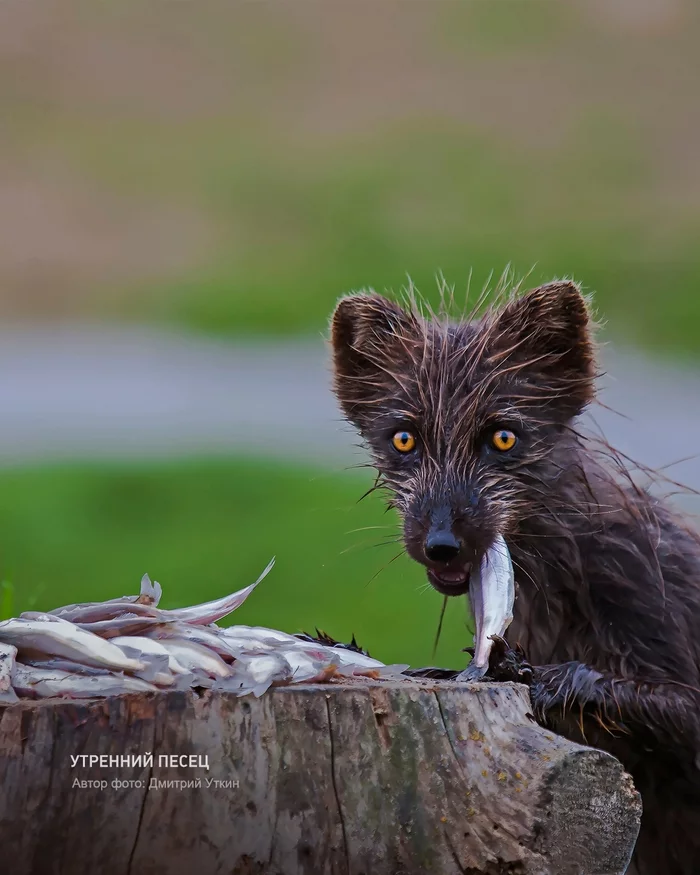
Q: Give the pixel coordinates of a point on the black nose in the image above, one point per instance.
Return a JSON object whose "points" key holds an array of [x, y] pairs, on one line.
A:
{"points": [[441, 546]]}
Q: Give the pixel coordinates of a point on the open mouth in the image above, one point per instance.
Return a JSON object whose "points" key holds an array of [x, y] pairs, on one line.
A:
{"points": [[452, 581]]}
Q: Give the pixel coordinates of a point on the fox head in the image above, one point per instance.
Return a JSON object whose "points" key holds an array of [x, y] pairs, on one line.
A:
{"points": [[468, 422]]}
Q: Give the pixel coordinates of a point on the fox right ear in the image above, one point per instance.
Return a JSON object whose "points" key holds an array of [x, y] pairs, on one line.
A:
{"points": [[547, 334], [369, 338]]}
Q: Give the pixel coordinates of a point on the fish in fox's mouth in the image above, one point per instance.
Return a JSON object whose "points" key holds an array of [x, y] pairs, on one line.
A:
{"points": [[450, 581], [490, 585]]}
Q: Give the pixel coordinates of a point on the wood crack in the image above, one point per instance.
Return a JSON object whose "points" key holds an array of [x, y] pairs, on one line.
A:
{"points": [[138, 825], [132, 853], [335, 787], [447, 731]]}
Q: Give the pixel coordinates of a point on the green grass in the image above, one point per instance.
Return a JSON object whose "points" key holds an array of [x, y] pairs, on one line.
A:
{"points": [[417, 202], [7, 599], [306, 190], [299, 227], [204, 529]]}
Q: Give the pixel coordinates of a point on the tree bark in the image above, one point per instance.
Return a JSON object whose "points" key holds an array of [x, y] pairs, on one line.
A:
{"points": [[371, 778]]}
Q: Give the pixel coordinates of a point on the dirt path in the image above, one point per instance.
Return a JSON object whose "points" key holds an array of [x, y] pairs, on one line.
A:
{"points": [[107, 393]]}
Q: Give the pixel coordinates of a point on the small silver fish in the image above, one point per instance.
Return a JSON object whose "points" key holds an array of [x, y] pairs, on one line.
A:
{"points": [[83, 650], [205, 636], [50, 683], [156, 673], [60, 638], [103, 612], [8, 652], [43, 617], [159, 678], [196, 658], [306, 669], [127, 624], [256, 634], [107, 613], [144, 605], [149, 596], [210, 612], [125, 600], [492, 596], [55, 663], [143, 648], [247, 640], [248, 646], [256, 674], [157, 668], [351, 663]]}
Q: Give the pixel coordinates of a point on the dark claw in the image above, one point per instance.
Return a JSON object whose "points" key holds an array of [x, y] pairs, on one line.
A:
{"points": [[508, 663], [325, 639]]}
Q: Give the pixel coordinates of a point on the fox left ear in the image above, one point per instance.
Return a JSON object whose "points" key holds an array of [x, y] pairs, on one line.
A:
{"points": [[369, 337], [548, 333]]}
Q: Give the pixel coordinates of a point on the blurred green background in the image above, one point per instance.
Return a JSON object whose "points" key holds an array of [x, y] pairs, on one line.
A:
{"points": [[232, 168]]}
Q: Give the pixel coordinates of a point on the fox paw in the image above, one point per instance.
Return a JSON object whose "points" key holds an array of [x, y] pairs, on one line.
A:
{"points": [[506, 663]]}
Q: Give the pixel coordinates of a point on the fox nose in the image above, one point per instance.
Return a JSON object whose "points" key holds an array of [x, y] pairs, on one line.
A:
{"points": [[441, 546]]}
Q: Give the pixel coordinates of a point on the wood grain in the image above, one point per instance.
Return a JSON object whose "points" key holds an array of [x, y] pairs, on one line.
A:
{"points": [[377, 778]]}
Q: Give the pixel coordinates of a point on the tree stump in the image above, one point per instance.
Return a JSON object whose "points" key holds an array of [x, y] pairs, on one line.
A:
{"points": [[371, 778]]}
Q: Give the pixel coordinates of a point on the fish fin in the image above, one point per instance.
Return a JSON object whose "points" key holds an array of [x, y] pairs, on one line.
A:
{"points": [[150, 592]]}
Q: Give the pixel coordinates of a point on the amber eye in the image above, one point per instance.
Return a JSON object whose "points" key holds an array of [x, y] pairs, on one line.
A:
{"points": [[403, 441], [503, 440]]}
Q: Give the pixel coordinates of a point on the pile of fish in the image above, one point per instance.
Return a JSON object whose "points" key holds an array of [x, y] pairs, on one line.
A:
{"points": [[129, 644]]}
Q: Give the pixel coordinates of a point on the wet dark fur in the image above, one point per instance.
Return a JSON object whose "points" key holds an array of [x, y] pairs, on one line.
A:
{"points": [[607, 576], [325, 639]]}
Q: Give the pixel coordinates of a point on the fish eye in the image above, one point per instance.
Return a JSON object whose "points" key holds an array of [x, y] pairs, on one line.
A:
{"points": [[403, 441], [503, 440]]}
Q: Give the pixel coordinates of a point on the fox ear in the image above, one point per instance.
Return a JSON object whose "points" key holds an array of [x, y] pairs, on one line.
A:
{"points": [[370, 336], [548, 334]]}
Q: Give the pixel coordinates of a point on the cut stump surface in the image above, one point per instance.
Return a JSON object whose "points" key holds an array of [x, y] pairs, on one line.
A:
{"points": [[375, 778]]}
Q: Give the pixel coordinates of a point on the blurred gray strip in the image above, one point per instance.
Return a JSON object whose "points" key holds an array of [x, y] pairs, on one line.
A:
{"points": [[114, 393], [110, 393]]}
